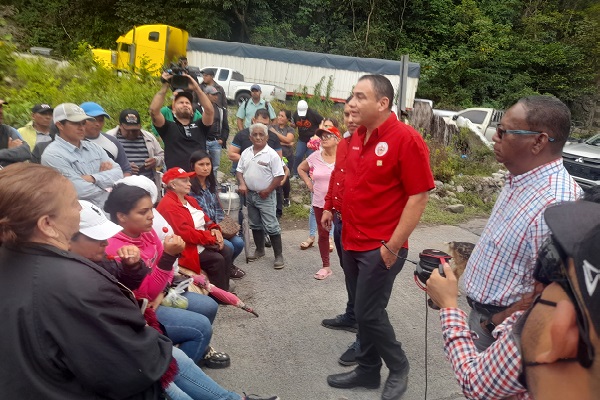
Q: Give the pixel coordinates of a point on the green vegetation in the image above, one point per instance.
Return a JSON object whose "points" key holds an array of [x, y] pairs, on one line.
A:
{"points": [[437, 214]]}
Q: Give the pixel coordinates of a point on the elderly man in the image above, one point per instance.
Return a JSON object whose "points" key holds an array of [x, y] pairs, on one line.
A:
{"points": [[93, 133], [208, 79], [219, 131], [141, 147], [248, 109], [12, 147], [185, 133], [498, 277], [260, 172], [38, 129], [386, 187], [84, 163]]}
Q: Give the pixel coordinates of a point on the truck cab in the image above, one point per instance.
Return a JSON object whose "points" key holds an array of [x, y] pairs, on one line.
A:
{"points": [[238, 90], [485, 120]]}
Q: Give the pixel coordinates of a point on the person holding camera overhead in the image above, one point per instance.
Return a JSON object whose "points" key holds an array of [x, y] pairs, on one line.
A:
{"points": [[184, 134]]}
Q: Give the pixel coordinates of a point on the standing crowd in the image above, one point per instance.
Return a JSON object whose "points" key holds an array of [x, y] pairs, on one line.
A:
{"points": [[111, 238]]}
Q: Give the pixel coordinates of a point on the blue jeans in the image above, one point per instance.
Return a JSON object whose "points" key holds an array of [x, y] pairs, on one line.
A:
{"points": [[192, 383], [191, 329], [214, 149], [262, 213], [301, 151], [236, 244]]}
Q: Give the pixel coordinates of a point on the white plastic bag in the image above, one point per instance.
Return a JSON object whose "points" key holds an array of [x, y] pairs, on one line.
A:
{"points": [[174, 298]]}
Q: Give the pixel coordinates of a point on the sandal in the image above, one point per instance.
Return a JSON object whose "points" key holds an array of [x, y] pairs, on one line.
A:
{"points": [[307, 243], [331, 244], [215, 359], [236, 273], [323, 273]]}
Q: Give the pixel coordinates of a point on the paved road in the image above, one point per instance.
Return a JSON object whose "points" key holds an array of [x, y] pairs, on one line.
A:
{"points": [[287, 352]]}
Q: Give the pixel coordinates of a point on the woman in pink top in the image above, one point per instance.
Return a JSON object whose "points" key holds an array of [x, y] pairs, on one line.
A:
{"points": [[191, 328], [321, 164]]}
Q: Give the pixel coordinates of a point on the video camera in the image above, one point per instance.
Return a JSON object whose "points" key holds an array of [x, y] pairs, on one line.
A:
{"points": [[178, 79]]}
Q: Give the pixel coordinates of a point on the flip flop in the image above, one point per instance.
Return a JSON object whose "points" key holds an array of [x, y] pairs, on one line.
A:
{"points": [[322, 274], [307, 243]]}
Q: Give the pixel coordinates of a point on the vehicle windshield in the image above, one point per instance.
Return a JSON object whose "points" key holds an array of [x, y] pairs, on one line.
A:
{"points": [[594, 140]]}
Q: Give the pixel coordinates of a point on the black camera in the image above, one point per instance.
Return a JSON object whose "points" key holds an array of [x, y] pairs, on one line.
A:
{"points": [[178, 80], [429, 260]]}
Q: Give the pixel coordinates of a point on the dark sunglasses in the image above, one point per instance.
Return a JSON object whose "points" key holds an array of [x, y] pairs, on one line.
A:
{"points": [[500, 132], [551, 267]]}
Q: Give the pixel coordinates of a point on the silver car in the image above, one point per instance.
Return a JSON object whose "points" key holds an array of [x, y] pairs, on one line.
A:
{"points": [[582, 160]]}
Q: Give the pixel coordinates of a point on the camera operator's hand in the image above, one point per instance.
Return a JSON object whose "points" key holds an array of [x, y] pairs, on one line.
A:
{"points": [[193, 85], [443, 291], [166, 77]]}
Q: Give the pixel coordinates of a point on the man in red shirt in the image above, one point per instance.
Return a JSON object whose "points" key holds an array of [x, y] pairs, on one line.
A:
{"points": [[385, 193]]}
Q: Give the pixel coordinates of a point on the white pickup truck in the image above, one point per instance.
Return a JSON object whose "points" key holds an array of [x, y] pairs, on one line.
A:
{"points": [[238, 90], [483, 121]]}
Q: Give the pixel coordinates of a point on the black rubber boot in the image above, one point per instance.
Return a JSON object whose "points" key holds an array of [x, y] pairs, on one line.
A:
{"points": [[278, 250], [259, 241]]}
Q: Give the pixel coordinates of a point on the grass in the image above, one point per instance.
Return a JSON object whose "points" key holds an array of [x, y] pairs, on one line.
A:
{"points": [[437, 214]]}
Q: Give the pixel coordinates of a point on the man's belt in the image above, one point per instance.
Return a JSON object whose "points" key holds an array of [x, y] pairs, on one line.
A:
{"points": [[484, 308]]}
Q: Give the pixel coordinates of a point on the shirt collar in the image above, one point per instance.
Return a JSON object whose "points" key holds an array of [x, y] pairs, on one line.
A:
{"points": [[68, 146], [380, 130], [535, 174]]}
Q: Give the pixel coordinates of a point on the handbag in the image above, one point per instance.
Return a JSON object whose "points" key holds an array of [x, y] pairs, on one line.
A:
{"points": [[229, 227]]}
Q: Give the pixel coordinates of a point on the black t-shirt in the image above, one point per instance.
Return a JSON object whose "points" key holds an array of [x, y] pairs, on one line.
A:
{"points": [[307, 125], [181, 141], [242, 140]]}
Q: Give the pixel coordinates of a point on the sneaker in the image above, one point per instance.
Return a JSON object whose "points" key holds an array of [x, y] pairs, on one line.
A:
{"points": [[340, 322], [215, 359], [256, 397], [287, 202], [349, 357]]}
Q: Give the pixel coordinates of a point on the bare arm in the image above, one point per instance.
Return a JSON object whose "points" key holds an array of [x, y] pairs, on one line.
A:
{"points": [[208, 114], [240, 123], [158, 120], [303, 170], [408, 221], [233, 153]]}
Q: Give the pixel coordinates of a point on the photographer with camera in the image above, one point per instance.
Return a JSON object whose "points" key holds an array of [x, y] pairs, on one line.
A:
{"points": [[184, 134]]}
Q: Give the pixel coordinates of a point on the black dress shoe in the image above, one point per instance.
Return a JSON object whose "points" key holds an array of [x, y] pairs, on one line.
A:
{"points": [[395, 385], [352, 379]]}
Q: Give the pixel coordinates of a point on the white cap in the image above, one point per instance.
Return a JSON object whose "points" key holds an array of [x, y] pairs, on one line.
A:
{"points": [[302, 108], [70, 112], [143, 183], [94, 224]]}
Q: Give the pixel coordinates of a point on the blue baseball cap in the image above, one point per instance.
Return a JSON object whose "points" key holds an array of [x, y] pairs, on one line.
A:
{"points": [[93, 109]]}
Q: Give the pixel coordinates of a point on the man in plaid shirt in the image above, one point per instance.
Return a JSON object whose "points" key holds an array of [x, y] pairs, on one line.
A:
{"points": [[498, 277]]}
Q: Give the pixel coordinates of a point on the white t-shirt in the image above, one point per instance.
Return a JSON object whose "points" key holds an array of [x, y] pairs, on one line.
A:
{"points": [[199, 223], [259, 169]]}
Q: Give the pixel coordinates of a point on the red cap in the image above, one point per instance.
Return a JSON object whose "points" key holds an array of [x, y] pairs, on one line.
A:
{"points": [[333, 130], [176, 173]]}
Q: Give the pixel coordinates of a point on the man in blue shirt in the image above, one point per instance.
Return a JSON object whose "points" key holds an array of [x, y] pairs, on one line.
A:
{"points": [[248, 109], [84, 163]]}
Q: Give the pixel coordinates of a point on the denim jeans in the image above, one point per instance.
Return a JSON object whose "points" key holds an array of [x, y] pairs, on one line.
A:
{"points": [[236, 244], [191, 329], [301, 151], [261, 213], [312, 223], [194, 383], [214, 149]]}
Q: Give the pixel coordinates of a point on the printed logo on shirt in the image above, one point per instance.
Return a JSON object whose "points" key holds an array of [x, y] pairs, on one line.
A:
{"points": [[381, 149], [355, 148], [303, 123], [262, 163], [592, 275]]}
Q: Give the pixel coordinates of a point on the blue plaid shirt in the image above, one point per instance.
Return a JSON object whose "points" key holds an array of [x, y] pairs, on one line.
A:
{"points": [[500, 269], [210, 204]]}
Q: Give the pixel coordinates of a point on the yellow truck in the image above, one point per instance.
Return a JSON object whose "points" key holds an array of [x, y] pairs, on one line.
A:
{"points": [[155, 45]]}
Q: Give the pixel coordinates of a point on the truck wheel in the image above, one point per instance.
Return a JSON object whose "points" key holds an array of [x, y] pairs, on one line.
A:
{"points": [[241, 97]]}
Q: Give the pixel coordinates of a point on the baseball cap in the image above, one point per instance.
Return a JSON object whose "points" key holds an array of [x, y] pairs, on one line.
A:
{"points": [[94, 224], [41, 108], [94, 109], [333, 130], [180, 92], [143, 183], [70, 112], [130, 117], [255, 87], [576, 228], [176, 173], [208, 71], [210, 90], [302, 108]]}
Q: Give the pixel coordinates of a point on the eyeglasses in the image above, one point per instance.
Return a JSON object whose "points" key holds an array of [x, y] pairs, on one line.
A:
{"points": [[327, 136], [501, 133], [550, 267]]}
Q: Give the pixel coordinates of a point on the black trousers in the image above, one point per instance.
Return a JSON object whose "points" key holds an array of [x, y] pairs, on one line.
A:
{"points": [[370, 285], [217, 265]]}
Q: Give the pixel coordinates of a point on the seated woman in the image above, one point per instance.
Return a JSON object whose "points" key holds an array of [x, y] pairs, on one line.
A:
{"points": [[90, 242], [204, 246], [204, 190], [69, 329], [131, 208]]}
